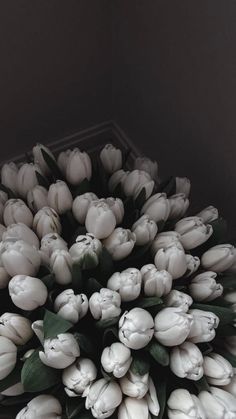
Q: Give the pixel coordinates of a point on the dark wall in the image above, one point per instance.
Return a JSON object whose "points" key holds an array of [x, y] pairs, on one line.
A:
{"points": [[55, 69], [174, 89]]}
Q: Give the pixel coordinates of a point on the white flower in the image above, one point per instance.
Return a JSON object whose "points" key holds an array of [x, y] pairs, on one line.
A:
{"points": [[103, 398], [218, 404], [147, 165], [37, 198], [132, 408], [171, 259], [39, 159], [46, 220], [16, 328], [105, 304], [3, 200], [193, 232], [14, 390], [136, 328], [116, 359], [204, 287], [81, 205], [62, 160], [151, 398], [157, 207], [117, 207], [78, 167], [111, 158], [208, 214], [230, 297], [21, 258], [193, 263], [60, 352], [183, 405], [164, 239], [218, 258], [136, 181], [231, 387], [120, 243], [217, 369], [183, 185], [178, 206], [203, 326], [8, 353], [172, 326], [37, 328], [178, 299], [15, 211], [51, 242], [20, 231], [155, 283], [100, 220], [116, 179], [145, 230], [43, 406], [59, 197], [9, 175], [86, 250], [61, 265], [2, 230], [127, 283], [70, 306], [186, 361], [135, 385], [26, 178], [27, 292], [78, 377]]}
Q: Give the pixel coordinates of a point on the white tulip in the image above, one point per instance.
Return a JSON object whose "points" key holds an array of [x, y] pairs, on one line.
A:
{"points": [[60, 352], [117, 207], [183, 185], [105, 304], [62, 160], [183, 405], [217, 369], [231, 387], [87, 249], [178, 206], [46, 220], [136, 181], [171, 259], [20, 231], [157, 207], [15, 390], [208, 214], [39, 159], [203, 326], [111, 158], [116, 359], [37, 328], [78, 167], [81, 205], [204, 287], [127, 283], [15, 211], [27, 292], [165, 239], [26, 178], [70, 306], [21, 258], [135, 385], [193, 232], [3, 200], [145, 230], [178, 299], [193, 263], [151, 398], [132, 408], [218, 404], [2, 230], [41, 407], [155, 283], [60, 197], [37, 198], [100, 220], [218, 258], [61, 264], [120, 243], [8, 354], [230, 297], [186, 361], [136, 328], [103, 398], [51, 242], [147, 165], [16, 328], [78, 377], [117, 178], [9, 175], [172, 326]]}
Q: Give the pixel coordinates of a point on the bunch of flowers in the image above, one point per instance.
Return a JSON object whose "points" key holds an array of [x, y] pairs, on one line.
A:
{"points": [[116, 301]]}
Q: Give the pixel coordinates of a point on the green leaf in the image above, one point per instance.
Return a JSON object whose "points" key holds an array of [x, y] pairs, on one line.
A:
{"points": [[13, 378], [140, 364], [42, 181], [52, 165], [227, 280], [104, 324], [202, 384], [89, 262], [226, 330], [149, 302], [110, 336], [141, 198], [82, 188], [219, 232], [168, 186], [161, 385], [85, 344], [227, 355], [8, 191], [73, 407], [159, 353], [35, 376], [53, 325], [48, 280], [225, 315], [92, 285]]}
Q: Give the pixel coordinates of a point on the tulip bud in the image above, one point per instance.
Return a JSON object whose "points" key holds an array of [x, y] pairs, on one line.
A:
{"points": [[151, 398], [117, 207], [132, 408], [81, 205], [127, 283], [43, 406], [208, 214], [78, 377], [16, 328], [2, 230], [9, 175], [134, 385], [59, 197], [111, 158], [136, 328], [70, 306], [186, 361], [203, 326], [231, 387], [178, 299], [15, 390], [165, 239], [100, 220], [157, 207], [8, 354], [60, 352], [218, 258], [120, 243], [218, 403], [26, 178], [86, 251], [217, 369], [172, 326], [103, 398], [39, 159], [178, 206], [21, 258], [118, 178], [230, 297], [204, 287], [3, 200], [27, 292], [147, 165], [183, 405], [37, 198], [105, 304], [62, 160], [51, 242], [156, 283], [171, 259], [46, 221], [37, 328], [20, 231], [61, 265], [136, 181], [145, 230], [193, 232], [78, 167], [193, 263], [183, 185], [15, 211], [116, 359]]}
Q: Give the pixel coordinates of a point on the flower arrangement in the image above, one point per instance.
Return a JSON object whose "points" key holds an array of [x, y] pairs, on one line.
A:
{"points": [[116, 301]]}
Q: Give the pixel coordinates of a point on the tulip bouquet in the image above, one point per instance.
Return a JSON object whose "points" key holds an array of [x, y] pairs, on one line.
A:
{"points": [[116, 301]]}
